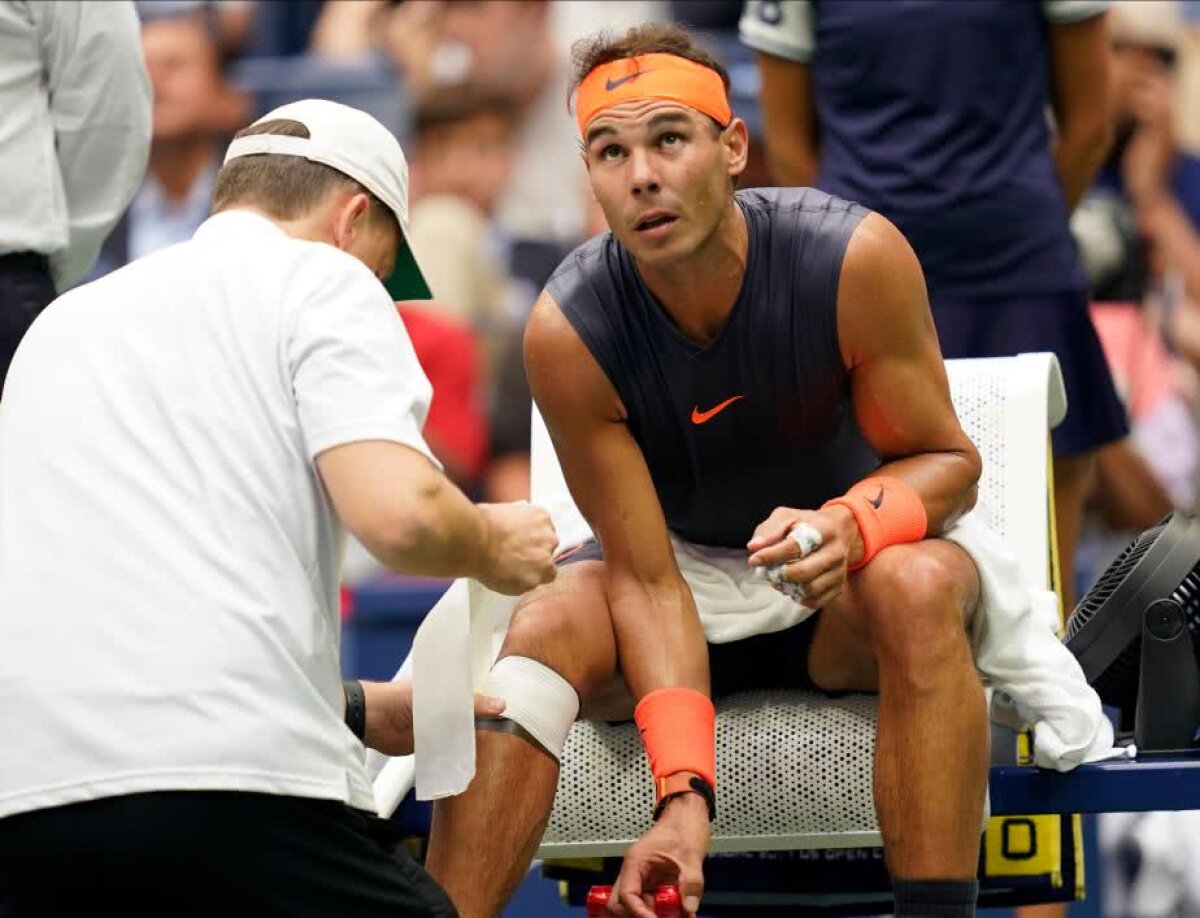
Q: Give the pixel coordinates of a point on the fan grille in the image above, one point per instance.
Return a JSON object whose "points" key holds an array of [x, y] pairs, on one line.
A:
{"points": [[1112, 578], [1118, 684]]}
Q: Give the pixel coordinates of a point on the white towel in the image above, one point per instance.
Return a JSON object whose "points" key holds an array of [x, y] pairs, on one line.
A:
{"points": [[733, 599], [1036, 680], [451, 655]]}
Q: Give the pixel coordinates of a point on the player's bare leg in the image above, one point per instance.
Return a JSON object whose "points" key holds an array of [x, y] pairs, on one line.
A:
{"points": [[483, 840], [899, 629]]}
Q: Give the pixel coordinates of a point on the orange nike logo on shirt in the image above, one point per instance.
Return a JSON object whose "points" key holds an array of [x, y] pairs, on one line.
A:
{"points": [[700, 417]]}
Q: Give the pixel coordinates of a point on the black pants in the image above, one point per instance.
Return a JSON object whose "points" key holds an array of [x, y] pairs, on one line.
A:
{"points": [[25, 290], [204, 853]]}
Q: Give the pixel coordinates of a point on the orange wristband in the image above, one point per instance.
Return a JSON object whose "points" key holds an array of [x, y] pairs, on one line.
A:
{"points": [[678, 727], [888, 512]]}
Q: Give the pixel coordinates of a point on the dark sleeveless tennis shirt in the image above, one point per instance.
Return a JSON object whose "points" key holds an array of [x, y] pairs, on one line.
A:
{"points": [[760, 417]]}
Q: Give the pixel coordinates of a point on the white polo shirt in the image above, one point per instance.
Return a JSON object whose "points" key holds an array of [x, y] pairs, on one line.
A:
{"points": [[169, 560]]}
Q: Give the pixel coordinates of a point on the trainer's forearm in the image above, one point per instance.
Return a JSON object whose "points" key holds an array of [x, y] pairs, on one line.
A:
{"points": [[660, 642], [431, 529]]}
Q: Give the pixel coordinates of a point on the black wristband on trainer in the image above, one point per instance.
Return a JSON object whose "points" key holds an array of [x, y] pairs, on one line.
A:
{"points": [[356, 707]]}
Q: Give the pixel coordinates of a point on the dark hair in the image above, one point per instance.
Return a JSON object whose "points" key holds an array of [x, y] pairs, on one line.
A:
{"points": [[285, 187], [449, 106], [652, 38]]}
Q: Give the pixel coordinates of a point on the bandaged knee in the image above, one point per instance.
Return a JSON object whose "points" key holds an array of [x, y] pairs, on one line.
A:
{"points": [[536, 698], [888, 512]]}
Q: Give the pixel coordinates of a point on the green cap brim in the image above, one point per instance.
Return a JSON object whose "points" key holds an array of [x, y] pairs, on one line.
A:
{"points": [[406, 282]]}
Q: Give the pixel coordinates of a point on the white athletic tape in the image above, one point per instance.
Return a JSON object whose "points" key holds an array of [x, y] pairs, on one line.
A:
{"points": [[537, 698], [806, 537], [777, 577]]}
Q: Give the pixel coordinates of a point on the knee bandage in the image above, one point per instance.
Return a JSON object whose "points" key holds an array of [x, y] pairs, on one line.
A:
{"points": [[536, 698]]}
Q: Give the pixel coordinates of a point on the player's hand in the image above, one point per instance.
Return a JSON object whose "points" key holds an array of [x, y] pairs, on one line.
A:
{"points": [[671, 853], [822, 572], [520, 547], [390, 715]]}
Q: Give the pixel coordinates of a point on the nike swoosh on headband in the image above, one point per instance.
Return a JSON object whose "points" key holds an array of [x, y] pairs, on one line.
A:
{"points": [[610, 85]]}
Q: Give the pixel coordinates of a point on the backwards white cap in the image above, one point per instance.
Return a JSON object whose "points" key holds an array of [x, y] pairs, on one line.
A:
{"points": [[355, 144]]}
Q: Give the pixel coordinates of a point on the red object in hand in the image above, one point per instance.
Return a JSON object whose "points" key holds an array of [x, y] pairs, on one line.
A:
{"points": [[667, 902]]}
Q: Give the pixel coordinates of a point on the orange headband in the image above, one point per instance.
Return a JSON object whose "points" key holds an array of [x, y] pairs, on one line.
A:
{"points": [[652, 76]]}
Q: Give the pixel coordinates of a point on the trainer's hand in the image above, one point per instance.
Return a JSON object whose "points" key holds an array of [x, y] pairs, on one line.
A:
{"points": [[390, 715], [520, 547], [823, 572], [671, 853]]}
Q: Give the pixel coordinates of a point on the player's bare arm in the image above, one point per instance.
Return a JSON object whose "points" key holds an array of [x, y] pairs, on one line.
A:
{"points": [[897, 376], [902, 402], [659, 639], [657, 628]]}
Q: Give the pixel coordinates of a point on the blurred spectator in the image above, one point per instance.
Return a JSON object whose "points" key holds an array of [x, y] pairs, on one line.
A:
{"points": [[230, 20], [461, 164], [74, 130], [508, 46], [925, 119], [518, 49], [194, 110], [348, 29], [1138, 223], [462, 161]]}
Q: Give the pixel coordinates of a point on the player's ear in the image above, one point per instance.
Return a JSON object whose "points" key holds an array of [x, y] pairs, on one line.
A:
{"points": [[735, 138]]}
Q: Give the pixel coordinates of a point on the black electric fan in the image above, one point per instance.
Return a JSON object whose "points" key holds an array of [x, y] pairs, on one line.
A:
{"points": [[1136, 635]]}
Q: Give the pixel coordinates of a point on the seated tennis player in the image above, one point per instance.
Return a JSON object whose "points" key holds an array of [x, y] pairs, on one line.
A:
{"points": [[750, 408]]}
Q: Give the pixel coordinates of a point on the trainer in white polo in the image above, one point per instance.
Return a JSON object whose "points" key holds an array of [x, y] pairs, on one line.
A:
{"points": [[181, 445]]}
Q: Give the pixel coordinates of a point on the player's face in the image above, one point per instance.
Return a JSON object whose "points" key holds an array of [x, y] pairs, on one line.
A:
{"points": [[661, 173]]}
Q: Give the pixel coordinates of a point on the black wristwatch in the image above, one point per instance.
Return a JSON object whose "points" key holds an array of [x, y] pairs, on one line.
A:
{"points": [[356, 707], [682, 783]]}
